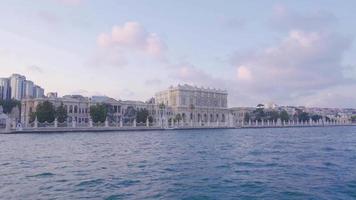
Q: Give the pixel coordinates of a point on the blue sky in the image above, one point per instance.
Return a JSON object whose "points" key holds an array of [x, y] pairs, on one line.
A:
{"points": [[287, 52]]}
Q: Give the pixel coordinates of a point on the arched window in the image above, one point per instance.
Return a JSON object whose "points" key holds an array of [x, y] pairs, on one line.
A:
{"points": [[70, 109], [223, 118], [75, 109]]}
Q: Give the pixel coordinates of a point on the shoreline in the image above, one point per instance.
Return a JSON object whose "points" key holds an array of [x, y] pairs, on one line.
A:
{"points": [[116, 129]]}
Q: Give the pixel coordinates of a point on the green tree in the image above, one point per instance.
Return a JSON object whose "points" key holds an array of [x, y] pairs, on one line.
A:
{"points": [[110, 112], [162, 106], [8, 105], [353, 118], [259, 113], [284, 115], [61, 113], [303, 116], [98, 113], [130, 114], [273, 115], [316, 117], [141, 115], [45, 112], [247, 117], [178, 117]]}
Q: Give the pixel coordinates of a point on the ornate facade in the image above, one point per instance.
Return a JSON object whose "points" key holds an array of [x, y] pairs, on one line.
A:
{"points": [[78, 108], [192, 104]]}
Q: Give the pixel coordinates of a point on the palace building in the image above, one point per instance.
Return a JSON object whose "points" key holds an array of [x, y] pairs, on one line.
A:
{"points": [[189, 104]]}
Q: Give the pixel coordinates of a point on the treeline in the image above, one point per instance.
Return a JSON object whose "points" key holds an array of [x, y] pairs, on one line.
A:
{"points": [[260, 114], [99, 113], [8, 105], [47, 112]]}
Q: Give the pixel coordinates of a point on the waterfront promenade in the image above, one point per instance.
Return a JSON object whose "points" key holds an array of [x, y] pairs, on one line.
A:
{"points": [[56, 127]]}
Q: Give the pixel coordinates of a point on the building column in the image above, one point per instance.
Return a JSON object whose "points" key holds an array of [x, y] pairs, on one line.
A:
{"points": [[90, 123], [147, 122], [36, 123], [7, 125], [73, 123], [106, 123]]}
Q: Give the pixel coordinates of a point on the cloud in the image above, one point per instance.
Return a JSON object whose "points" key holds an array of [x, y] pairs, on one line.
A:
{"points": [[133, 36], [243, 73], [232, 23], [153, 82], [302, 62], [34, 68], [305, 67], [186, 73], [284, 18], [335, 96], [47, 17], [70, 2], [108, 58], [127, 44]]}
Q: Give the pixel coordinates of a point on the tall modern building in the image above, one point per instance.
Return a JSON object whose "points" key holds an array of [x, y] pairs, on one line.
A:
{"points": [[4, 88], [38, 92], [29, 89], [17, 85]]}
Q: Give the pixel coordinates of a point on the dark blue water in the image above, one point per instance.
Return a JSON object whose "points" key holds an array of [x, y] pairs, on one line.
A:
{"points": [[300, 163]]}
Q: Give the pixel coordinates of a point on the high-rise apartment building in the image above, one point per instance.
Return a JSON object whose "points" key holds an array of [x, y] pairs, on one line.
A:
{"points": [[4, 88], [29, 89], [38, 92], [17, 85]]}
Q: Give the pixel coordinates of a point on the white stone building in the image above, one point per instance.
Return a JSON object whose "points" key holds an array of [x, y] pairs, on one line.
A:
{"points": [[192, 105], [239, 114], [78, 107]]}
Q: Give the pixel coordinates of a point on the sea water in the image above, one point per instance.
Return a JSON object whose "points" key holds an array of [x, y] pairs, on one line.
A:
{"points": [[275, 163]]}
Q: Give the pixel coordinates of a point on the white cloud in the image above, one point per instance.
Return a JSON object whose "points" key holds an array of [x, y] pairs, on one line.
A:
{"points": [[284, 18], [243, 73], [34, 68], [301, 61], [133, 36], [71, 2], [301, 66]]}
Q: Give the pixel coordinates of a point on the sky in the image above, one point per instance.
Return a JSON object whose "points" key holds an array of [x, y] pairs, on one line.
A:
{"points": [[287, 52]]}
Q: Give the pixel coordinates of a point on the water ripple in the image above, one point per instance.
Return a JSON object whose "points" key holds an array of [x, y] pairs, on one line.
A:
{"points": [[308, 163]]}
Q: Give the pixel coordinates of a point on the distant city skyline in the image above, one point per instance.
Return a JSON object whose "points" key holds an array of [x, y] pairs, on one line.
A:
{"points": [[17, 87], [291, 53]]}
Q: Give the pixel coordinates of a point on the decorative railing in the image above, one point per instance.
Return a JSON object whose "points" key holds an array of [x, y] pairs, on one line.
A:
{"points": [[35, 125]]}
